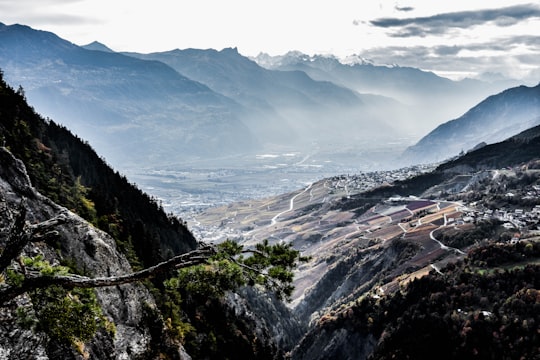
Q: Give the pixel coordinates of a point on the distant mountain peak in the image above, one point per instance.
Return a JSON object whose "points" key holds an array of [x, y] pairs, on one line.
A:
{"points": [[356, 59], [290, 58], [97, 46], [297, 57], [230, 49]]}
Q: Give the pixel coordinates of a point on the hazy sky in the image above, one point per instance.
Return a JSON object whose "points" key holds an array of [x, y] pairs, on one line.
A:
{"points": [[453, 38]]}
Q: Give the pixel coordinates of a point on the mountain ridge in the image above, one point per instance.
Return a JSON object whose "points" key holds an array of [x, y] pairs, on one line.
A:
{"points": [[109, 98], [432, 99], [495, 118], [292, 102]]}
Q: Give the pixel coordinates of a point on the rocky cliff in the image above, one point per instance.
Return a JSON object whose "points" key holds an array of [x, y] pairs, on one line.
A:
{"points": [[91, 250]]}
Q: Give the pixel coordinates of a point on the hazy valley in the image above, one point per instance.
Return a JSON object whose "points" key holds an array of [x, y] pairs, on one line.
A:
{"points": [[219, 121], [198, 105], [414, 198]]}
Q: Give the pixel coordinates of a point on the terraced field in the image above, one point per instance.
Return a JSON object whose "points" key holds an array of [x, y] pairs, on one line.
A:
{"points": [[307, 219]]}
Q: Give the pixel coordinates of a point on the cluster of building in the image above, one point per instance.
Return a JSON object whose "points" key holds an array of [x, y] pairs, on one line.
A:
{"points": [[520, 219], [369, 180], [513, 219]]}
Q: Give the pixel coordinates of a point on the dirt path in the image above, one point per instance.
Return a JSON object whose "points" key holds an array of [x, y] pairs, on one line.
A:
{"points": [[291, 205]]}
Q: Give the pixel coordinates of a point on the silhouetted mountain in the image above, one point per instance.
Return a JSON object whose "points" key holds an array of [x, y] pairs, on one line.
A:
{"points": [[431, 99], [290, 105], [131, 110], [494, 119], [96, 45]]}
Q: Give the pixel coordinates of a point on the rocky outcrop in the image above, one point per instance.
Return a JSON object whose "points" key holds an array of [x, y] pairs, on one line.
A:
{"points": [[272, 316], [12, 171], [90, 250], [341, 344], [353, 273]]}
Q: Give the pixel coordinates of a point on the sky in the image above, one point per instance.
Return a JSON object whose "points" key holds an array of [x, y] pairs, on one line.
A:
{"points": [[455, 38]]}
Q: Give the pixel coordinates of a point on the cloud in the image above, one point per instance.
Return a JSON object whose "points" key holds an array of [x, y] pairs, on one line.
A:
{"points": [[445, 53], [404, 8], [31, 5], [506, 44], [61, 19], [34, 19], [513, 56], [42, 12], [38, 2], [447, 50], [442, 23]]}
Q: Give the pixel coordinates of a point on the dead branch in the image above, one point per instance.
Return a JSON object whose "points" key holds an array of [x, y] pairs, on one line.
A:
{"points": [[33, 282]]}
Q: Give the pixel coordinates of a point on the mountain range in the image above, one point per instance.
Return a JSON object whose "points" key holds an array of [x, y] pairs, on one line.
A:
{"points": [[133, 111], [428, 99], [175, 107], [289, 106]]}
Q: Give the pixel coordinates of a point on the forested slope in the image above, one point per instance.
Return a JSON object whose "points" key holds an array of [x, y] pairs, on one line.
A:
{"points": [[67, 170], [484, 307]]}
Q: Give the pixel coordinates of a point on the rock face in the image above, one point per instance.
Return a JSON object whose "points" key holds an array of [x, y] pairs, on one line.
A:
{"points": [[90, 249], [271, 316], [339, 345]]}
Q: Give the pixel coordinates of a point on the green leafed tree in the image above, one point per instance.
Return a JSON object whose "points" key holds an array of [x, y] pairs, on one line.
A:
{"points": [[233, 266]]}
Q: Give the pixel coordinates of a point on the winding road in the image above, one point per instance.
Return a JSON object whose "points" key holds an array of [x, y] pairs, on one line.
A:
{"points": [[444, 247], [291, 205]]}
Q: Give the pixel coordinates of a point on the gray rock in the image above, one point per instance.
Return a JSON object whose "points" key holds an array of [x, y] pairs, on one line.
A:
{"points": [[94, 252]]}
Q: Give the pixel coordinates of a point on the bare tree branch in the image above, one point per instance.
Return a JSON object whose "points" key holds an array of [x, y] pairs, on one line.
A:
{"points": [[21, 234], [33, 282], [38, 232]]}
